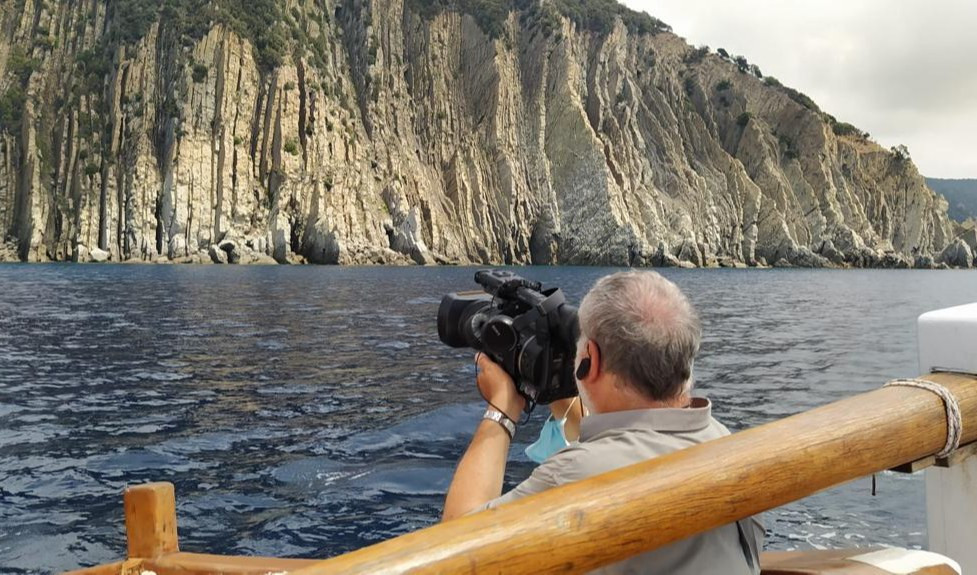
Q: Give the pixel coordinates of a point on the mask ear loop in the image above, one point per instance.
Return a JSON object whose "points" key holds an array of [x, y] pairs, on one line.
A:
{"points": [[566, 413]]}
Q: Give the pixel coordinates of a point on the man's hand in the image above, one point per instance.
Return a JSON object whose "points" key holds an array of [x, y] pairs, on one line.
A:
{"points": [[497, 387]]}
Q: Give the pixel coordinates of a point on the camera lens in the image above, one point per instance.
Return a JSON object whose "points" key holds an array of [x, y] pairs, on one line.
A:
{"points": [[499, 335], [455, 315]]}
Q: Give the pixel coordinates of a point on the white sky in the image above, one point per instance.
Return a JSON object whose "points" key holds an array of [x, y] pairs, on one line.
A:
{"points": [[903, 70]]}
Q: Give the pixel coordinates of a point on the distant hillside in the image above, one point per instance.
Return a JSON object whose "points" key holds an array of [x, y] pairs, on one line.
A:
{"points": [[961, 194]]}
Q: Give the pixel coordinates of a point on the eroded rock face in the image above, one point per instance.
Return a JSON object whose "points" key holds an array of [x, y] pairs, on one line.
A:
{"points": [[99, 256], [831, 253], [217, 255], [958, 255], [8, 252], [412, 139]]}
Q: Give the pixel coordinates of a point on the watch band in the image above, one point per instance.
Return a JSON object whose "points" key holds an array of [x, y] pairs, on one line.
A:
{"points": [[502, 419]]}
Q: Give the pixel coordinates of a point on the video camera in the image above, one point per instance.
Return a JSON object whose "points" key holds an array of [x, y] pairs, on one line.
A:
{"points": [[532, 333]]}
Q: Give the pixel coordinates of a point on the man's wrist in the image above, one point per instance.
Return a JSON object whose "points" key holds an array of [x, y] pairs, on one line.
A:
{"points": [[494, 414], [509, 409]]}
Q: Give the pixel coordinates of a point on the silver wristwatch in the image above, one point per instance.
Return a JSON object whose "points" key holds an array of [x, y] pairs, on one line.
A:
{"points": [[502, 419]]}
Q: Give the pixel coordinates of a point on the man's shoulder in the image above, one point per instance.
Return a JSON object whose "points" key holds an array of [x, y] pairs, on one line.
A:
{"points": [[643, 435], [605, 451], [615, 448], [716, 427]]}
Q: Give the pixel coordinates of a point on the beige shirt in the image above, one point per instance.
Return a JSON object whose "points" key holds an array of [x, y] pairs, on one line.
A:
{"points": [[609, 441]]}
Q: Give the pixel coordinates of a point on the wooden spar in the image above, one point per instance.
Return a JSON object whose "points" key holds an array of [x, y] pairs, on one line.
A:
{"points": [[151, 520], [197, 564], [106, 569], [952, 460], [202, 564], [605, 519]]}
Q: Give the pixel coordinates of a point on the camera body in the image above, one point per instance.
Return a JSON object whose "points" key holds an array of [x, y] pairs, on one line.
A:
{"points": [[532, 333]]}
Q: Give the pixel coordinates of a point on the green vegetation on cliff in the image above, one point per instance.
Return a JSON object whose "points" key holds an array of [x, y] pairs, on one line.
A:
{"points": [[263, 22], [260, 21], [275, 33], [127, 22], [12, 108], [12, 101], [598, 16], [594, 15], [743, 66]]}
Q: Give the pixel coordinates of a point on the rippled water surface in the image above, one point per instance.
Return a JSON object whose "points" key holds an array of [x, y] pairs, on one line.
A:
{"points": [[309, 411]]}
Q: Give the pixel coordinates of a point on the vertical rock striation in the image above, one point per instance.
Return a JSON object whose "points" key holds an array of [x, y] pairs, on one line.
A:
{"points": [[391, 134]]}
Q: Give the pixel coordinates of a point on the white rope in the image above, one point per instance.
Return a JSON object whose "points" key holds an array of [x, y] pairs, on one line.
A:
{"points": [[954, 422]]}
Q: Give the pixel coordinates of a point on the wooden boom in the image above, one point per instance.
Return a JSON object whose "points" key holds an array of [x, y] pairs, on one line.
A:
{"points": [[610, 517]]}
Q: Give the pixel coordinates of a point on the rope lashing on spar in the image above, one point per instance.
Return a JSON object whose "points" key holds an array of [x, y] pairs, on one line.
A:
{"points": [[954, 422]]}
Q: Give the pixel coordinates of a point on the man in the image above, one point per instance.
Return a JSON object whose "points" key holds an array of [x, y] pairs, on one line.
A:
{"points": [[639, 337]]}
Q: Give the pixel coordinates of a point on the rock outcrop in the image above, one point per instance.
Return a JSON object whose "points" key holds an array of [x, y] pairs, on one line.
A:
{"points": [[957, 255], [385, 132]]}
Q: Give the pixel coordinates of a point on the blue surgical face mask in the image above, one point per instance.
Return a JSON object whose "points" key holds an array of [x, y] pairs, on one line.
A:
{"points": [[551, 439]]}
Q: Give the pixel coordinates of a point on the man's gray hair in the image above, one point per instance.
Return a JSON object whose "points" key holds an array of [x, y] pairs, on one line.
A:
{"points": [[647, 330]]}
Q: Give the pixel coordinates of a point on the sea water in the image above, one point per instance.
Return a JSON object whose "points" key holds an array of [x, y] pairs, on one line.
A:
{"points": [[310, 411]]}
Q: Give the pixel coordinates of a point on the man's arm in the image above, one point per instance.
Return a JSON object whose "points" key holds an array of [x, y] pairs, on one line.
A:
{"points": [[478, 478]]}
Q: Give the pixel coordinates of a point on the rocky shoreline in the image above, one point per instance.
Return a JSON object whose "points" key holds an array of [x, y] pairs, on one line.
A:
{"points": [[958, 255]]}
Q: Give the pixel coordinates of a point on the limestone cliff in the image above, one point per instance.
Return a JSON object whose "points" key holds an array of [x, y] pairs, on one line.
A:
{"points": [[389, 131]]}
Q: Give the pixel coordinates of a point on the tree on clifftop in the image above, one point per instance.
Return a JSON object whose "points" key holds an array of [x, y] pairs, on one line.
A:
{"points": [[901, 152]]}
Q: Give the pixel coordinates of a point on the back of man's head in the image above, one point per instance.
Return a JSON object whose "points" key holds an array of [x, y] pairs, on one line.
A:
{"points": [[647, 330]]}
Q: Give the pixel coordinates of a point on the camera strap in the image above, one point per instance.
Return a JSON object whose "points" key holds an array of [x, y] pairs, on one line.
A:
{"points": [[546, 324], [553, 301]]}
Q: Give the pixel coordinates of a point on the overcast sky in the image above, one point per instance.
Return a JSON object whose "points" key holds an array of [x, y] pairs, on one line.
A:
{"points": [[903, 70]]}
